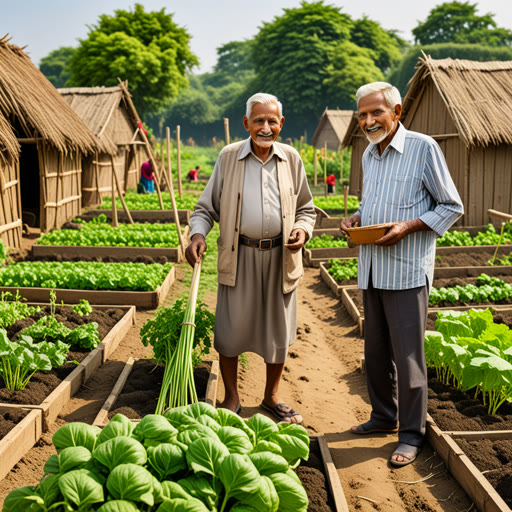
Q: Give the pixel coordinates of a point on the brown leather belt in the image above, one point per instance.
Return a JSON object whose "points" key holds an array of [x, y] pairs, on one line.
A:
{"points": [[264, 244]]}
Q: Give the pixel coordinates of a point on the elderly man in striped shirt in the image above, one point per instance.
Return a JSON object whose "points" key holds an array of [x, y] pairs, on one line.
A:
{"points": [[405, 183]]}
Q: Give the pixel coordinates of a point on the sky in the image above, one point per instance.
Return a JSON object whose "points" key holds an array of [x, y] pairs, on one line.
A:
{"points": [[45, 25]]}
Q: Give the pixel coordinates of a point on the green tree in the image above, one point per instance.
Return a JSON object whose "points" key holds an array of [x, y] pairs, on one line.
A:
{"points": [[55, 66], [458, 22], [385, 45], [146, 48]]}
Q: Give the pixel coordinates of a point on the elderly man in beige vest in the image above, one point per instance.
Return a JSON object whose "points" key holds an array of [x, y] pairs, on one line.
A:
{"points": [[259, 195]]}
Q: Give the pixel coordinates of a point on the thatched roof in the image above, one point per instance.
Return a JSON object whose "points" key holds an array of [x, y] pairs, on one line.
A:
{"points": [[338, 121], [478, 96], [28, 97], [95, 106], [9, 147]]}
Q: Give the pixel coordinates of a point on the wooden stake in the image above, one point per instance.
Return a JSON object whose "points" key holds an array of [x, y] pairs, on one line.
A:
{"points": [[315, 163], [171, 189], [178, 157], [97, 178], [325, 168], [114, 206], [120, 192], [345, 195], [226, 130], [341, 166]]}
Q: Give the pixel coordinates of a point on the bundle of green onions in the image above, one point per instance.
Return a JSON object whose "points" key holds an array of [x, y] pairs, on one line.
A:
{"points": [[178, 388]]}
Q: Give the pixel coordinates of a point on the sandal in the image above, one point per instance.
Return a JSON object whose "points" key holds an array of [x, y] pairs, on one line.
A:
{"points": [[370, 428], [281, 411], [407, 451]]}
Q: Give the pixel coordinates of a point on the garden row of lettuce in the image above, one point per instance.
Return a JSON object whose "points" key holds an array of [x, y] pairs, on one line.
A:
{"points": [[336, 202], [324, 241], [98, 232], [194, 458], [81, 275], [136, 201], [487, 237], [471, 352], [41, 346]]}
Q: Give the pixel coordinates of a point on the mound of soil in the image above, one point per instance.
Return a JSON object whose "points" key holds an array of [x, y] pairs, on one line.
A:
{"points": [[43, 383], [140, 392], [9, 418]]}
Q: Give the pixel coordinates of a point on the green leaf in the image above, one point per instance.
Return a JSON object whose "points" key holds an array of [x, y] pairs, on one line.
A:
{"points": [[80, 487], [172, 490], [292, 496], [166, 459], [154, 429], [267, 463], [118, 506], [131, 482], [262, 426], [238, 473], [116, 428], [17, 500], [199, 408], [201, 488], [74, 457], [265, 498], [120, 450], [197, 431], [76, 434], [52, 465], [49, 490], [180, 505], [205, 454], [236, 440]]}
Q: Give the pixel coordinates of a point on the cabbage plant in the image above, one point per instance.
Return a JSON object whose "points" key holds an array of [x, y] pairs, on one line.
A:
{"points": [[194, 458]]}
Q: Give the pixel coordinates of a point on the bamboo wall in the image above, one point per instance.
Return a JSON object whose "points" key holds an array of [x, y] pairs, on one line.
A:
{"points": [[359, 144], [61, 191], [10, 205]]}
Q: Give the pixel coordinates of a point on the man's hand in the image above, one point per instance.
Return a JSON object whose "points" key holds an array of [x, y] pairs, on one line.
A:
{"points": [[399, 230], [195, 249], [350, 222], [297, 240]]}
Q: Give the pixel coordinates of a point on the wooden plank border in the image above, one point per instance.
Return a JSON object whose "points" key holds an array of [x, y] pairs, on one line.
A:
{"points": [[464, 471], [20, 440], [146, 300]]}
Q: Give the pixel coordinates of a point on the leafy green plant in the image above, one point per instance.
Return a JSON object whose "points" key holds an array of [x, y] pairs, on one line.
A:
{"points": [[341, 270], [83, 308], [469, 351], [194, 458], [20, 359], [4, 252], [336, 203], [323, 241], [12, 308], [491, 261], [163, 331], [81, 275], [486, 237], [136, 201]]}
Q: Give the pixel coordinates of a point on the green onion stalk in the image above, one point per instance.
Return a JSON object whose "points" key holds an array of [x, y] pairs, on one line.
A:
{"points": [[178, 388]]}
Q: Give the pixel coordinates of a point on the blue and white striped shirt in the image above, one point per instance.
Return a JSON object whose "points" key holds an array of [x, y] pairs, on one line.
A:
{"points": [[410, 180]]}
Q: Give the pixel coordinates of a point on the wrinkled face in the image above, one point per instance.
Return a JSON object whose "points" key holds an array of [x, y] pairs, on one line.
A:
{"points": [[377, 120], [264, 124]]}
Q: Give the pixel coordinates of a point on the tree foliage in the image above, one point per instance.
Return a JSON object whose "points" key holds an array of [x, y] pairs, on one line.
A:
{"points": [[55, 66], [146, 48], [458, 22]]}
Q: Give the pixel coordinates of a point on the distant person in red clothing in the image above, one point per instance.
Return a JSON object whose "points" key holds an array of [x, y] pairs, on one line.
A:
{"points": [[193, 174], [331, 181]]}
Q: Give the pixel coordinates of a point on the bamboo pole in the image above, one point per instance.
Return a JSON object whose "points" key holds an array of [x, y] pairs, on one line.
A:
{"points": [[345, 195], [226, 131], [325, 168], [97, 178], [178, 157], [120, 191], [149, 151], [114, 206], [171, 189], [341, 166], [315, 163]]}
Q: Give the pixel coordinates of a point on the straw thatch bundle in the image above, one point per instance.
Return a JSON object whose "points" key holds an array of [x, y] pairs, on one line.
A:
{"points": [[478, 96], [26, 96], [9, 147]]}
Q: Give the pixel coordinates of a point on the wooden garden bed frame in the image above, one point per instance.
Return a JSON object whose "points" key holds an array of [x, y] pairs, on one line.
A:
{"points": [[463, 470], [144, 300], [28, 431], [102, 417]]}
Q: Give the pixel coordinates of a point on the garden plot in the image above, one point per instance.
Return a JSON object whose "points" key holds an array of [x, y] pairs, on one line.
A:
{"points": [[472, 430], [136, 284], [451, 296], [99, 239], [26, 413], [163, 216]]}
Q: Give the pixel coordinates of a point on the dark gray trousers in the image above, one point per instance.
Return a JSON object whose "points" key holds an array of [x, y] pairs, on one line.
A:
{"points": [[394, 353]]}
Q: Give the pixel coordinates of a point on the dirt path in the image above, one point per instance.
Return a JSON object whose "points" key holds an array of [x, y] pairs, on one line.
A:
{"points": [[322, 380]]}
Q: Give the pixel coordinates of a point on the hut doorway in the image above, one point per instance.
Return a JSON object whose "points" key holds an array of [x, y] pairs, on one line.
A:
{"points": [[30, 188]]}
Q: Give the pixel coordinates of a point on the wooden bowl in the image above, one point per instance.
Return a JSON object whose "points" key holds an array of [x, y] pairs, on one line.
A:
{"points": [[367, 234]]}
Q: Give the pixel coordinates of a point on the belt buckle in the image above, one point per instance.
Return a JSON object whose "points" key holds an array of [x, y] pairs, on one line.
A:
{"points": [[265, 244]]}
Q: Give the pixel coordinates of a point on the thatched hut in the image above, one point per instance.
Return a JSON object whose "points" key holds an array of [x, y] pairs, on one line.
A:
{"points": [[52, 139], [357, 140], [111, 116], [467, 106], [10, 203], [331, 129]]}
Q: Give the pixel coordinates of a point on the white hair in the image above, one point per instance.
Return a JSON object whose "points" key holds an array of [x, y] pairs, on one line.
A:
{"points": [[264, 99], [391, 93]]}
